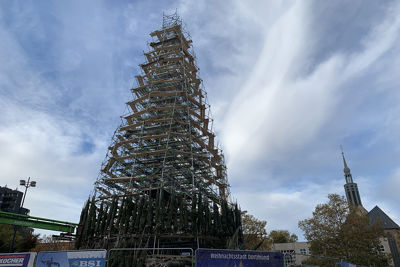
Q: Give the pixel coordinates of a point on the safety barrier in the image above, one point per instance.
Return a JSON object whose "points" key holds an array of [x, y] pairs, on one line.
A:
{"points": [[101, 258], [150, 257], [66, 258]]}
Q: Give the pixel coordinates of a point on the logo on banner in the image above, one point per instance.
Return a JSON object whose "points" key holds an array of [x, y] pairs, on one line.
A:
{"points": [[86, 263], [84, 258], [16, 260]]}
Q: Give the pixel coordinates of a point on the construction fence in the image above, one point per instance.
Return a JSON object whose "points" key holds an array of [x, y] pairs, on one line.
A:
{"points": [[149, 257]]}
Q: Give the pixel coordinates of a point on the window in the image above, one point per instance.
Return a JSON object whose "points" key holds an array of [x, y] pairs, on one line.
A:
{"points": [[289, 256], [303, 251]]}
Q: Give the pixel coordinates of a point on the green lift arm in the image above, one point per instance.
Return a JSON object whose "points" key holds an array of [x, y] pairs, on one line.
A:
{"points": [[37, 222]]}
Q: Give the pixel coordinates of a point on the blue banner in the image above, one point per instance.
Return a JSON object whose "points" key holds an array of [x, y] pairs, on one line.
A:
{"points": [[238, 258], [17, 259], [85, 258]]}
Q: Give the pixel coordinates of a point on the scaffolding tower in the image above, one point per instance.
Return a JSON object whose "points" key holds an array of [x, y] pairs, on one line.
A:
{"points": [[165, 142]]}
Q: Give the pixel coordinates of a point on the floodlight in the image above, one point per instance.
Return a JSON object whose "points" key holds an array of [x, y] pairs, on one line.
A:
{"points": [[33, 183], [22, 182]]}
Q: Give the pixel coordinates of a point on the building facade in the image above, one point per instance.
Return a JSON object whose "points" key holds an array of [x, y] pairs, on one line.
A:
{"points": [[10, 201], [294, 253], [390, 243]]}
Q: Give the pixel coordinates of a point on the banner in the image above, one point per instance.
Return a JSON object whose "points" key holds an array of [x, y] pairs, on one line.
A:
{"points": [[238, 258], [17, 259], [82, 258]]}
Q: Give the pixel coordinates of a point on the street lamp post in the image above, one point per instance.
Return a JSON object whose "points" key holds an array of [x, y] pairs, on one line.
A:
{"points": [[26, 184]]}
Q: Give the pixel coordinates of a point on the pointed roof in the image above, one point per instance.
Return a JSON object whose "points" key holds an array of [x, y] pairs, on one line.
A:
{"points": [[376, 213], [346, 168]]}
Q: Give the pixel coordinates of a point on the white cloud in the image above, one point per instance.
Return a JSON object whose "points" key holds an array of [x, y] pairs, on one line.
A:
{"points": [[17, 81], [48, 150], [276, 112], [283, 208]]}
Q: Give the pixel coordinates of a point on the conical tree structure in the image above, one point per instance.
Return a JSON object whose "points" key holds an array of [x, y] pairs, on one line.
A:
{"points": [[163, 183], [165, 141]]}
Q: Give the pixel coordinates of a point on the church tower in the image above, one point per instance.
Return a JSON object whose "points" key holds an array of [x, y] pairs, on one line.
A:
{"points": [[351, 188]]}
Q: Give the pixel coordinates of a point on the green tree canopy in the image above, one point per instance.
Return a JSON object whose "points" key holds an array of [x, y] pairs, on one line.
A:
{"points": [[282, 236], [254, 233], [341, 231], [24, 239]]}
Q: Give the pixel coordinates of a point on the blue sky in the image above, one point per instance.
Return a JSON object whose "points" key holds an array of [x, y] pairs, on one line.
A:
{"points": [[288, 82]]}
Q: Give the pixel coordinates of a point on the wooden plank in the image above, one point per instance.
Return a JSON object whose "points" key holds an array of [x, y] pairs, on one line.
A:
{"points": [[103, 190], [121, 179], [140, 80], [173, 28]]}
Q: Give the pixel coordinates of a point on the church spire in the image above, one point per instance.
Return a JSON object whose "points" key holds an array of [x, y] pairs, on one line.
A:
{"points": [[351, 188], [346, 170]]}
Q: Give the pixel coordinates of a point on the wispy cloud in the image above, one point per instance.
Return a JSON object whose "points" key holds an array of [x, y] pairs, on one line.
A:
{"points": [[287, 113], [278, 112], [50, 151]]}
